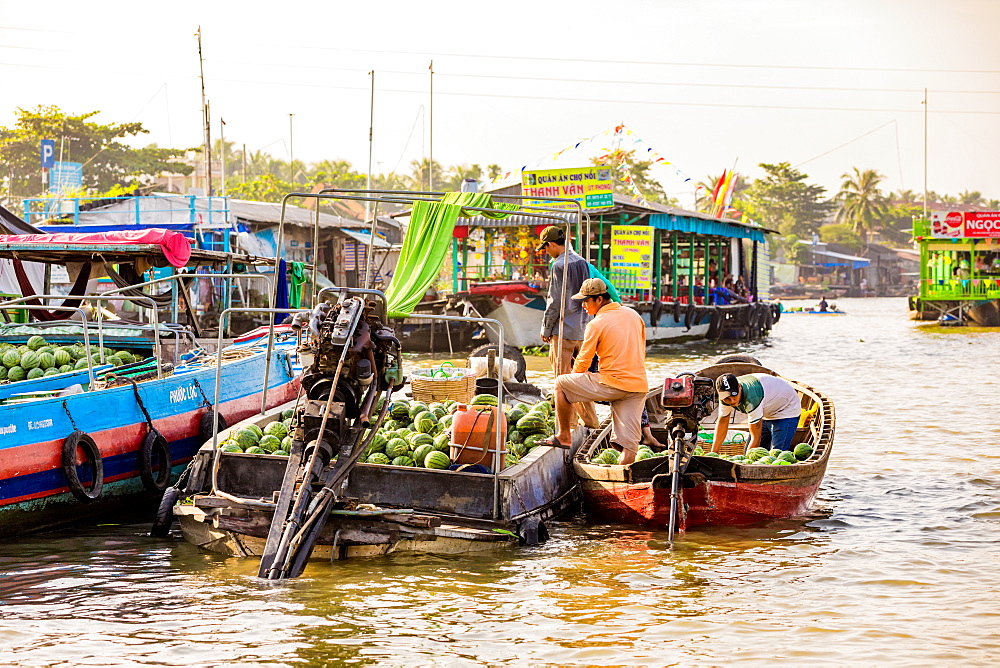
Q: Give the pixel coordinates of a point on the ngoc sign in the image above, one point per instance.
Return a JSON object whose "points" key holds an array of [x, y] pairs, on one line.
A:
{"points": [[965, 225]]}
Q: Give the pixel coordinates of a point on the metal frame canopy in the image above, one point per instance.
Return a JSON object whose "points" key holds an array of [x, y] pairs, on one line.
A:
{"points": [[60, 253]]}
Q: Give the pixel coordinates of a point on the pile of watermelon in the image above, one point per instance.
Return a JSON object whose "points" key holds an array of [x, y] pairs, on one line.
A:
{"points": [[763, 456], [37, 359], [275, 438], [611, 457]]}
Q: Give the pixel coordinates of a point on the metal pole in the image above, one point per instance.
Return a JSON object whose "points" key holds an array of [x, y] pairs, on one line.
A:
{"points": [[291, 152], [430, 164], [371, 132], [222, 148], [205, 118]]}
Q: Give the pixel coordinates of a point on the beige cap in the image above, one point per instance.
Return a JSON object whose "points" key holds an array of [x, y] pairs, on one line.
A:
{"points": [[550, 233], [591, 287]]}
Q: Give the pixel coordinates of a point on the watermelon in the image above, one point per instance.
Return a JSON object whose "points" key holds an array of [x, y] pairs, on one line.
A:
{"points": [[531, 442], [530, 424], [287, 414], [421, 452], [519, 449], [35, 342], [46, 361], [420, 439], [377, 458], [514, 436], [289, 425], [254, 450], [511, 460], [545, 406], [802, 451], [403, 460], [446, 421], [442, 443], [396, 447], [399, 410], [15, 374], [483, 400], [80, 364], [775, 452], [514, 415], [787, 456], [11, 359], [126, 357], [231, 447], [246, 438], [276, 429], [76, 352], [377, 444], [286, 444], [437, 460], [402, 433], [35, 373], [425, 421], [29, 360], [521, 406], [3, 373], [283, 453], [416, 408], [437, 410], [269, 443], [51, 372], [62, 357], [644, 454]]}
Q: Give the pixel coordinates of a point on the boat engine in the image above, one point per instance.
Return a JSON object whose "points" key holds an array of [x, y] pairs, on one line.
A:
{"points": [[350, 357], [688, 399]]}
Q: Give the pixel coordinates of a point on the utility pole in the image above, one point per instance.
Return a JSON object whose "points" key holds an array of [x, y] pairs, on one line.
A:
{"points": [[222, 141], [430, 164], [206, 118], [291, 152], [925, 154], [244, 163]]}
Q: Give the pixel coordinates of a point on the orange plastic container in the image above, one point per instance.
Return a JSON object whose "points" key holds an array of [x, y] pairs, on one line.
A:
{"points": [[474, 435]]}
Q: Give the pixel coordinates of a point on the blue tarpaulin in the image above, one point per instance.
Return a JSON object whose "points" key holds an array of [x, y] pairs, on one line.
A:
{"points": [[675, 223]]}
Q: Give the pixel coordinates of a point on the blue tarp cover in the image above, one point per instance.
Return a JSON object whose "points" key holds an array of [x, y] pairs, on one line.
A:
{"points": [[673, 223]]}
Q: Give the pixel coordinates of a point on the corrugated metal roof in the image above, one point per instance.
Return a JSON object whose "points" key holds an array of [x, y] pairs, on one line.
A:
{"points": [[268, 213]]}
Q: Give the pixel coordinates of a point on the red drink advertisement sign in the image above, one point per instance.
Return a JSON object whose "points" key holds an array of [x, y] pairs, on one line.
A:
{"points": [[965, 224]]}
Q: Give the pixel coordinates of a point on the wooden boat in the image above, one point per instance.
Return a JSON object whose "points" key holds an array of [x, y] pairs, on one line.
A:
{"points": [[714, 491], [88, 441], [393, 509]]}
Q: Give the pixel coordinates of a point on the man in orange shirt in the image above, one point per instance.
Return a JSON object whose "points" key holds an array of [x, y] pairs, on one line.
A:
{"points": [[617, 335]]}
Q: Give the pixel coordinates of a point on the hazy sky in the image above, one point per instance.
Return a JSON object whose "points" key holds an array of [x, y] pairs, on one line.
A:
{"points": [[706, 83]]}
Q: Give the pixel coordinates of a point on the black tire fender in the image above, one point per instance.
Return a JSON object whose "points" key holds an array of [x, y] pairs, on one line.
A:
{"points": [[776, 312], [509, 352], [79, 439], [165, 513], [715, 326], [155, 444], [677, 311], [205, 426], [689, 316], [654, 313], [738, 358]]}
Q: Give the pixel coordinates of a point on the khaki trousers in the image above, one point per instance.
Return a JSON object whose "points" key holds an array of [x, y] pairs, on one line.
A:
{"points": [[626, 407], [585, 411]]}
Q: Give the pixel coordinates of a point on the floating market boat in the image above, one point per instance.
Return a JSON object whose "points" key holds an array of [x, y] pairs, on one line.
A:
{"points": [[737, 488], [86, 428], [395, 506]]}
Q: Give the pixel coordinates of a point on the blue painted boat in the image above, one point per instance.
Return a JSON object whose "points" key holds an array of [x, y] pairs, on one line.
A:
{"points": [[36, 464]]}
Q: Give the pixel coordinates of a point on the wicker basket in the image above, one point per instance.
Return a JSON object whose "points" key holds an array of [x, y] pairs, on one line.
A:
{"points": [[460, 386]]}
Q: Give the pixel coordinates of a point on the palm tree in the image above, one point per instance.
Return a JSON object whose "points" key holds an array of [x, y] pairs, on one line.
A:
{"points": [[862, 204], [973, 198], [907, 197]]}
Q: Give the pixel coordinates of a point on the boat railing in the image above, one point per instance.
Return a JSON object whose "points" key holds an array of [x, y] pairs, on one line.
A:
{"points": [[83, 316], [157, 352], [178, 277]]}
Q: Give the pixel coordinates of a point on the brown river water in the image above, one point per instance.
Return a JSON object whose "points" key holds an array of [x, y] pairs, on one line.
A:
{"points": [[898, 563]]}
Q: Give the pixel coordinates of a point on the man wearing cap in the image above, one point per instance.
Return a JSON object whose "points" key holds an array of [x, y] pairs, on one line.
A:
{"points": [[574, 318], [772, 406], [617, 335]]}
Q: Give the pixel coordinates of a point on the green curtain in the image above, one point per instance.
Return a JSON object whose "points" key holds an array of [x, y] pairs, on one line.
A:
{"points": [[426, 243], [297, 276]]}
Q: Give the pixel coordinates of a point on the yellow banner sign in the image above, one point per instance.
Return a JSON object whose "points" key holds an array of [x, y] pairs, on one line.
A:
{"points": [[632, 257], [591, 186]]}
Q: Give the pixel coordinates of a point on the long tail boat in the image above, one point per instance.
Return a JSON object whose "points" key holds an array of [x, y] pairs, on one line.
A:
{"points": [[711, 490]]}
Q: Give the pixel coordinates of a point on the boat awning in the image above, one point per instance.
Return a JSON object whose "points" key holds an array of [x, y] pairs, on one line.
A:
{"points": [[719, 228], [364, 237], [840, 260]]}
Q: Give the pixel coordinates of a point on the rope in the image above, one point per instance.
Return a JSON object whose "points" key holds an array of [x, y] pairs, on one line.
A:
{"points": [[70, 416], [142, 407]]}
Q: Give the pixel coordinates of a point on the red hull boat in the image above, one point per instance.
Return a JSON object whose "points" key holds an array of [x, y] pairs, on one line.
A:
{"points": [[713, 491]]}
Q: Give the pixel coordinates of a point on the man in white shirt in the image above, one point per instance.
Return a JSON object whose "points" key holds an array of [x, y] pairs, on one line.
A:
{"points": [[772, 405]]}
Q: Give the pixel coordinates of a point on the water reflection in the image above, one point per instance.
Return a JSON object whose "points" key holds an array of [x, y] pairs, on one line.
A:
{"points": [[896, 564]]}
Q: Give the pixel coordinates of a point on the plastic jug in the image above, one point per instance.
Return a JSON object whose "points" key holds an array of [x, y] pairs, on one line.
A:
{"points": [[474, 435]]}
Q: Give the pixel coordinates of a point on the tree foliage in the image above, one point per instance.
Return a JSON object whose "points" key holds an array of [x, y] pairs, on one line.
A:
{"points": [[783, 200], [107, 160], [861, 204]]}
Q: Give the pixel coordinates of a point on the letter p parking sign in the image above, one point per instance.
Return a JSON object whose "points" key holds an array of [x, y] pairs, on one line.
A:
{"points": [[48, 153]]}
